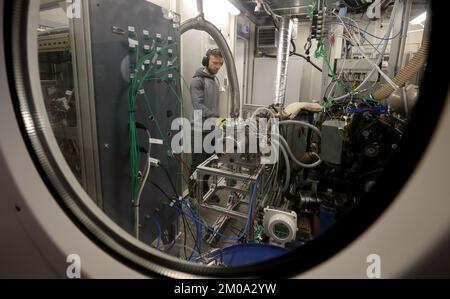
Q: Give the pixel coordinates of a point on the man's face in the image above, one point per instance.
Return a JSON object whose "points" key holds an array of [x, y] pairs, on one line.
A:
{"points": [[215, 63]]}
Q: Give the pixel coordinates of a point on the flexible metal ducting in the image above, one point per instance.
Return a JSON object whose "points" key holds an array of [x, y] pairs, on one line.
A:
{"points": [[200, 7], [403, 100], [199, 23], [283, 60], [404, 75]]}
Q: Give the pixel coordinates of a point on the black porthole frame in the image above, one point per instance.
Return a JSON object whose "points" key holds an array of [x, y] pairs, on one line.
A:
{"points": [[433, 90]]}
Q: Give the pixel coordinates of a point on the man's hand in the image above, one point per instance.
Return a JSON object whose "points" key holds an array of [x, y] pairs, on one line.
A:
{"points": [[220, 122]]}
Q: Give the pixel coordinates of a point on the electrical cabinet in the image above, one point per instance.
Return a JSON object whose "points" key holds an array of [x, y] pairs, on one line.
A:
{"points": [[135, 58]]}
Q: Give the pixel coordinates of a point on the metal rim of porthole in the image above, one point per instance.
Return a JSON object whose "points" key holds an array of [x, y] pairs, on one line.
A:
{"points": [[79, 207]]}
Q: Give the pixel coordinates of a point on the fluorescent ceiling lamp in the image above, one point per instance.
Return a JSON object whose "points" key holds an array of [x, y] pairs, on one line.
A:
{"points": [[420, 19], [231, 8]]}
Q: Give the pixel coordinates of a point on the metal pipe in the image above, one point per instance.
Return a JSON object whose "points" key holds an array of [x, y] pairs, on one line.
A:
{"points": [[283, 60], [290, 8], [224, 187], [203, 25], [200, 7], [226, 173], [221, 220], [208, 194], [225, 211]]}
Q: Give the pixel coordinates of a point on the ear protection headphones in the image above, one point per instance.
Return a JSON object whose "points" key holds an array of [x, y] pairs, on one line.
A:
{"points": [[205, 60]]}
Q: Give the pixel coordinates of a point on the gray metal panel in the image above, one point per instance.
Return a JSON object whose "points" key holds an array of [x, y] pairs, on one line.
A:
{"points": [[111, 63], [264, 75], [332, 141]]}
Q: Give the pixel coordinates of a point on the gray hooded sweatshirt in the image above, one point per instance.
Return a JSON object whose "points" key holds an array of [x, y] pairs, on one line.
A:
{"points": [[205, 93]]}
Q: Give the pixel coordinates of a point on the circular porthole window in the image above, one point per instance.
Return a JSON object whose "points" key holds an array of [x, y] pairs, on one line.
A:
{"points": [[95, 81]]}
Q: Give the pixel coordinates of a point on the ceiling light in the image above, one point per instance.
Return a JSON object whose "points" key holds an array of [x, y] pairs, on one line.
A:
{"points": [[419, 19], [231, 8]]}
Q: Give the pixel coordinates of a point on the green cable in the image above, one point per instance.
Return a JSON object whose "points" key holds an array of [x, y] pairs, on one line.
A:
{"points": [[311, 9], [136, 85], [135, 82], [320, 53]]}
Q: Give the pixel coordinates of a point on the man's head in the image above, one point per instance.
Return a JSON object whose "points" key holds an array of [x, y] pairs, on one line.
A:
{"points": [[213, 61]]}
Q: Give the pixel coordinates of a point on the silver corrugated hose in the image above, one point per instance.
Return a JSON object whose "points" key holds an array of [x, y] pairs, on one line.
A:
{"points": [[283, 60], [200, 7]]}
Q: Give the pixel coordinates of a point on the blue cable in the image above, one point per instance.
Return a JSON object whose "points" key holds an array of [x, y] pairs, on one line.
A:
{"points": [[377, 110], [158, 227], [197, 220], [368, 33], [197, 226], [365, 30]]}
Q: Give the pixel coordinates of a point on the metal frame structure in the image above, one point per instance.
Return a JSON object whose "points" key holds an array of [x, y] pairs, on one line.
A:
{"points": [[222, 177], [85, 98]]}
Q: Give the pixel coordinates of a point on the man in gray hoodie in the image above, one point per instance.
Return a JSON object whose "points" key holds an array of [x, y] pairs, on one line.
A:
{"points": [[205, 87], [205, 94]]}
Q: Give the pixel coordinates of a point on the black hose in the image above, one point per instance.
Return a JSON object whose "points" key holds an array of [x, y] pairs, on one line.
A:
{"points": [[162, 191], [294, 47], [355, 5], [185, 222], [294, 53], [307, 58], [170, 179]]}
